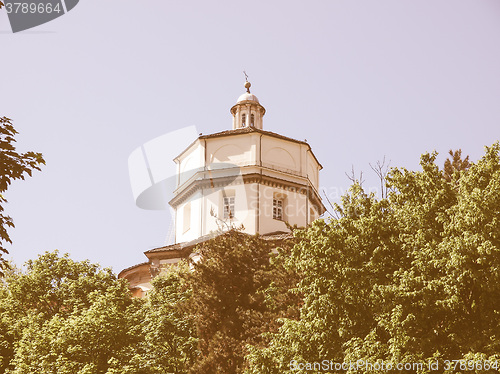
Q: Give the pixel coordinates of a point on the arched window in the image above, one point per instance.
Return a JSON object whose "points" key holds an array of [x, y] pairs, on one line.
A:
{"points": [[252, 120], [243, 120]]}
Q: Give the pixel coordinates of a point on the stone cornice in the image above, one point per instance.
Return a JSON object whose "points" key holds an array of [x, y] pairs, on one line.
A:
{"points": [[304, 188]]}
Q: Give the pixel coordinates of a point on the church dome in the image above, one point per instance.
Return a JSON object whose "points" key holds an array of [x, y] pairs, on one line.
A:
{"points": [[247, 112], [248, 97]]}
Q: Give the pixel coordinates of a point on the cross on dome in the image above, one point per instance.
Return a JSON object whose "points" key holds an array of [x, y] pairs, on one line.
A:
{"points": [[247, 112], [247, 83]]}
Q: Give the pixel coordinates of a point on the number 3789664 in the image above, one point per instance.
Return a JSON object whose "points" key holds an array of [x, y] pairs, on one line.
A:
{"points": [[32, 8], [471, 365]]}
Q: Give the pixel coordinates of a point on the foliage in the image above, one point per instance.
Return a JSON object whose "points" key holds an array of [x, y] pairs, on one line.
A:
{"points": [[64, 316], [411, 277], [231, 285], [406, 279], [168, 339], [170, 335], [455, 164], [13, 165]]}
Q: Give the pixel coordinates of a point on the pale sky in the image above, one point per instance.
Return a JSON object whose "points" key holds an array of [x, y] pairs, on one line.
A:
{"points": [[357, 79]]}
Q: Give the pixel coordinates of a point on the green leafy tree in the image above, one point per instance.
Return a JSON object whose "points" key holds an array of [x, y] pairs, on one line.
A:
{"points": [[169, 330], [168, 343], [13, 165], [65, 316], [411, 278], [232, 304], [455, 164]]}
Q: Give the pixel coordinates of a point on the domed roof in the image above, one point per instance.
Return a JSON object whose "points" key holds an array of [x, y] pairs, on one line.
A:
{"points": [[247, 96]]}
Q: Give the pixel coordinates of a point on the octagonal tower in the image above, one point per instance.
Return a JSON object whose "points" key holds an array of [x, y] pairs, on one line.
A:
{"points": [[245, 177]]}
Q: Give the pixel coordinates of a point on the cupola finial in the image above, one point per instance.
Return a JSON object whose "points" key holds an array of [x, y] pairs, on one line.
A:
{"points": [[247, 83]]}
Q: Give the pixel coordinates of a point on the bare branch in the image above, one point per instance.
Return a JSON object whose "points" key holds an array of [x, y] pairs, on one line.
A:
{"points": [[334, 214], [353, 178], [381, 169]]}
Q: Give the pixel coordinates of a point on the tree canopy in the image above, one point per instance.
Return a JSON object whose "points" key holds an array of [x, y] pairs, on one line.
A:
{"points": [[13, 165], [455, 164], [232, 287], [63, 316], [411, 278], [166, 333]]}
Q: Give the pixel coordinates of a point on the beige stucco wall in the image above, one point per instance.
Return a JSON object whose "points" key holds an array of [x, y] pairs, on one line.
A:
{"points": [[248, 149], [236, 156]]}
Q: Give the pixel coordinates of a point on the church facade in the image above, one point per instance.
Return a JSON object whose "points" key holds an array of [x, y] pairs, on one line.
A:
{"points": [[248, 178]]}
